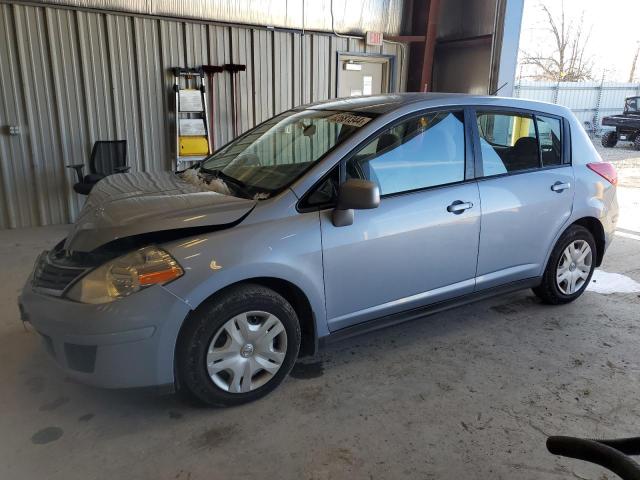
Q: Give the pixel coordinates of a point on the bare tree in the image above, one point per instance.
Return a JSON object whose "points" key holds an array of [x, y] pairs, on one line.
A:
{"points": [[633, 64], [567, 60]]}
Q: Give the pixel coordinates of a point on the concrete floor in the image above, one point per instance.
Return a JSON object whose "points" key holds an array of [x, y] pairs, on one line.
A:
{"points": [[471, 393]]}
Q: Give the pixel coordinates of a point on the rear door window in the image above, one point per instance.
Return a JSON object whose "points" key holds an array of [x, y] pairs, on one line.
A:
{"points": [[508, 143], [549, 131]]}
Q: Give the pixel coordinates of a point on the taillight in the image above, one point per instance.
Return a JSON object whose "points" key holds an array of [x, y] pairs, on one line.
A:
{"points": [[606, 171]]}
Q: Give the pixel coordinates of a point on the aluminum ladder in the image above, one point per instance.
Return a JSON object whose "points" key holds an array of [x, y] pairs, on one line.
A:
{"points": [[193, 133]]}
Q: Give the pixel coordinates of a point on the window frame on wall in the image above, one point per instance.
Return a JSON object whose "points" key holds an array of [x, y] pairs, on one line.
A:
{"points": [[565, 138]]}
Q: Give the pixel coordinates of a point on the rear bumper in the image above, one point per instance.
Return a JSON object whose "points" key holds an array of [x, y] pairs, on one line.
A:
{"points": [[610, 218], [126, 343]]}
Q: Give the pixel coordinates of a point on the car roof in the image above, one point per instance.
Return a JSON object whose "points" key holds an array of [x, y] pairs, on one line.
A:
{"points": [[381, 104]]}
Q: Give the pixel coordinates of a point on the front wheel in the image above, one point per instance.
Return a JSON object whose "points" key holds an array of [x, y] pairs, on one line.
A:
{"points": [[636, 142], [609, 139], [238, 346], [570, 267]]}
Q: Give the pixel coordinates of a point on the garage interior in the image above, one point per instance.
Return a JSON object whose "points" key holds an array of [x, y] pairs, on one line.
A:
{"points": [[469, 393], [74, 73]]}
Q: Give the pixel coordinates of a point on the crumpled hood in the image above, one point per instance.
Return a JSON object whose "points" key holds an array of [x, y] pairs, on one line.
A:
{"points": [[129, 204]]}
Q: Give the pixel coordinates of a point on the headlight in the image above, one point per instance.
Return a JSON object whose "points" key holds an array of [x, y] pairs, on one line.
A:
{"points": [[125, 275]]}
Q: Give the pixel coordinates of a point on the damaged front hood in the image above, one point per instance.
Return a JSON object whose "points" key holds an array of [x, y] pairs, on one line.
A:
{"points": [[125, 205]]}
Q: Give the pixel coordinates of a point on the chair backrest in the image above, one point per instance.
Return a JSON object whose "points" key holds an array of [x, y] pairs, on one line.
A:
{"points": [[106, 156]]}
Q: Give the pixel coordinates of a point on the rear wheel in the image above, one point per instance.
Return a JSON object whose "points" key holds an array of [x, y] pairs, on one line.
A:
{"points": [[636, 142], [570, 267], [237, 347], [609, 139]]}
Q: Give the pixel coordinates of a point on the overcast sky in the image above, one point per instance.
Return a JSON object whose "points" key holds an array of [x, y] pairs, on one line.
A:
{"points": [[615, 31]]}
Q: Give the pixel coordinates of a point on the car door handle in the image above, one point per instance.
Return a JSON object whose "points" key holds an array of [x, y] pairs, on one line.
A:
{"points": [[459, 206], [560, 186]]}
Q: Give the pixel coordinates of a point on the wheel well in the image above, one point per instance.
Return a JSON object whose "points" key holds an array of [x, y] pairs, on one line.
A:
{"points": [[595, 227], [298, 300]]}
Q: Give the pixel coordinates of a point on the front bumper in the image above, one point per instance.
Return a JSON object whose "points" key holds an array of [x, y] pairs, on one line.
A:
{"points": [[126, 343]]}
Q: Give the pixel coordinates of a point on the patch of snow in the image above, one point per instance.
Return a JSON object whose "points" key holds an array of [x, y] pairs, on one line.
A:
{"points": [[215, 184], [607, 283]]}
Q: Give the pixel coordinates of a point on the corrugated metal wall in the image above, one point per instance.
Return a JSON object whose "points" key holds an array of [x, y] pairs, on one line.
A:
{"points": [[71, 77], [590, 101]]}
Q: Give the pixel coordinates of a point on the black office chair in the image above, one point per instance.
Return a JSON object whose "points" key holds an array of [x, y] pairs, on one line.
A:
{"points": [[107, 158]]}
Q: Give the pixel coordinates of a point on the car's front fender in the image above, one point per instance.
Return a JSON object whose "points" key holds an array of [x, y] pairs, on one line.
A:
{"points": [[287, 249]]}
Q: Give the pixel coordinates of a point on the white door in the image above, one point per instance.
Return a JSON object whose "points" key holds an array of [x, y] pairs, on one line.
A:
{"points": [[362, 76]]}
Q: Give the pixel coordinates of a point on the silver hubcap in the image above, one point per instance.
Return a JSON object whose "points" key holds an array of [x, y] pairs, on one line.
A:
{"points": [[247, 351], [574, 267]]}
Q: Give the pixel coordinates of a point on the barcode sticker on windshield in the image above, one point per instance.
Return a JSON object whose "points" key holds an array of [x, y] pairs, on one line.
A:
{"points": [[349, 119]]}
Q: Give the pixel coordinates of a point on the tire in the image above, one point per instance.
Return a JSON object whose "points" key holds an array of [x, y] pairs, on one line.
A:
{"points": [[555, 292], [609, 139], [229, 336], [636, 142]]}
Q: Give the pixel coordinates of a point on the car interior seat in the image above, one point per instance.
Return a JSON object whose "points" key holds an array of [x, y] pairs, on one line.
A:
{"points": [[524, 154]]}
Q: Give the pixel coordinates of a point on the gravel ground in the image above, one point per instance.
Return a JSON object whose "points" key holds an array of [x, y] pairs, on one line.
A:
{"points": [[623, 154], [625, 158]]}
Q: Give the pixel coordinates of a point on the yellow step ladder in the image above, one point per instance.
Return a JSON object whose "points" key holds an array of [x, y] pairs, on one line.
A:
{"points": [[193, 135]]}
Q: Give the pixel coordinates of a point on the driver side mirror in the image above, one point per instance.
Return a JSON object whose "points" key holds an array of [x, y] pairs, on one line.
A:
{"points": [[354, 194]]}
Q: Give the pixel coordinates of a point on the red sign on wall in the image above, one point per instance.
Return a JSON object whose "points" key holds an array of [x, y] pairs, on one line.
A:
{"points": [[374, 38]]}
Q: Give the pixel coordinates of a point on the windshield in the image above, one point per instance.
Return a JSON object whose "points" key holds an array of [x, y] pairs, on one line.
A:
{"points": [[271, 156], [632, 104]]}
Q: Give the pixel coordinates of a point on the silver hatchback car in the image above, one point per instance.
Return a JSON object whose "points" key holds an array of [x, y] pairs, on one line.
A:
{"points": [[322, 222]]}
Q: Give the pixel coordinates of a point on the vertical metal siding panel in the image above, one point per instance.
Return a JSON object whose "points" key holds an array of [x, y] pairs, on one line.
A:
{"points": [[67, 81], [356, 45], [196, 44], [172, 55], [307, 68], [321, 70], [282, 75], [283, 82], [296, 52], [375, 50], [19, 209], [153, 84], [296, 67], [97, 79], [262, 74], [43, 137], [241, 54], [7, 114], [57, 207], [338, 45], [124, 86], [189, 46], [219, 54]]}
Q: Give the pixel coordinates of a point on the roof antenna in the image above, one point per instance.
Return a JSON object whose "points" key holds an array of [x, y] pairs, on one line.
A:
{"points": [[498, 89]]}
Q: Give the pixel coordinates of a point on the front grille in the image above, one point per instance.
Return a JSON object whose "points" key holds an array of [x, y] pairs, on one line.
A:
{"points": [[51, 276]]}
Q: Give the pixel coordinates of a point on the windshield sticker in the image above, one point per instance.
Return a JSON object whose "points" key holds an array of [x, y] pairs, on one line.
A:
{"points": [[349, 119]]}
